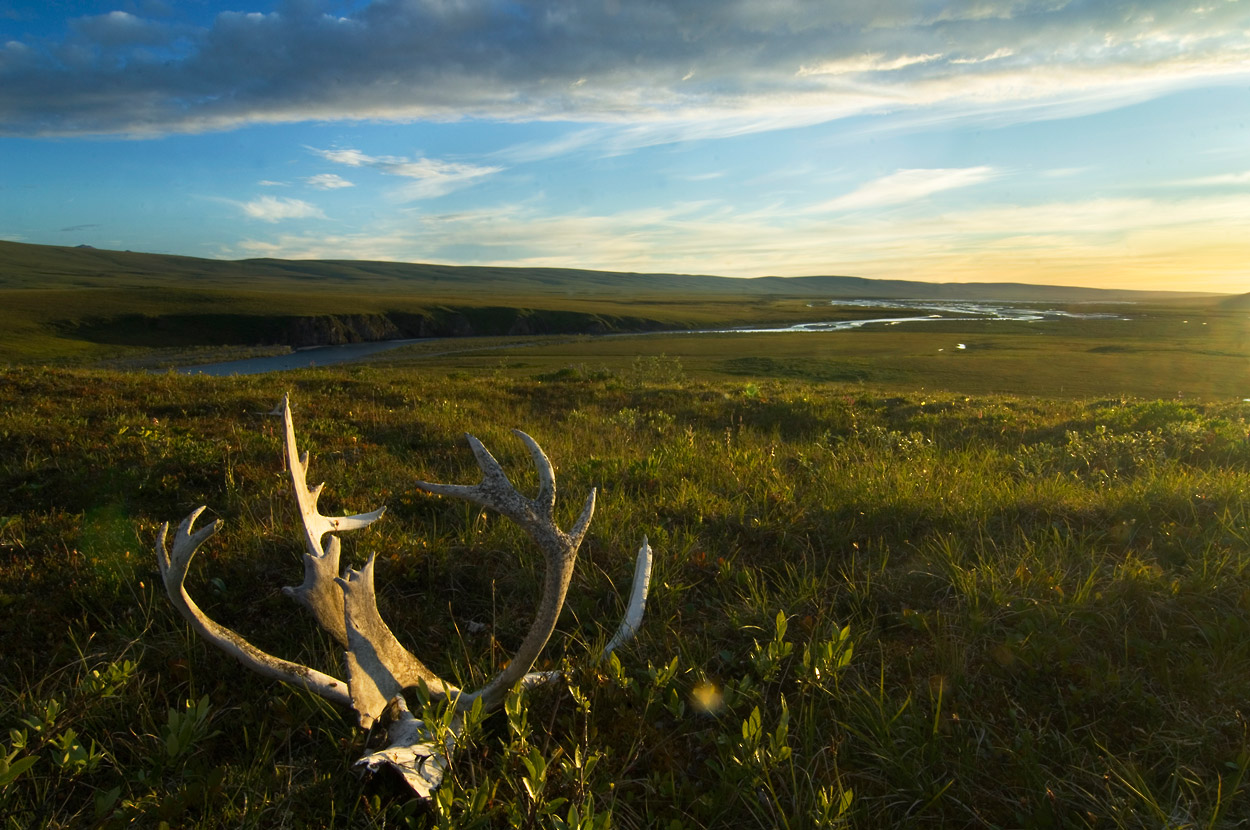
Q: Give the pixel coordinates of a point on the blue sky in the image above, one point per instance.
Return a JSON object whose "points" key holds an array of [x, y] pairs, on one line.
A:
{"points": [[1078, 143]]}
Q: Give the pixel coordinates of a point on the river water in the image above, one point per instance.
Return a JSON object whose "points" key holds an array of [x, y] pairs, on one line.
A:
{"points": [[299, 359], [939, 311], [926, 311]]}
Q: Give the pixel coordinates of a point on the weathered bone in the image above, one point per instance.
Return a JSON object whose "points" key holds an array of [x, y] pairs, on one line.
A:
{"points": [[637, 602], [414, 752], [173, 567], [321, 565], [535, 517], [379, 668]]}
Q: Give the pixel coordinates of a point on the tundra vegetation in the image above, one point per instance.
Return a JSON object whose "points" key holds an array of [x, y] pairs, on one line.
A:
{"points": [[871, 605], [77, 306], [895, 583]]}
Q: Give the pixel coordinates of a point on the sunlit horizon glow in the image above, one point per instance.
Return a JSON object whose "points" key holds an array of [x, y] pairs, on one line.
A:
{"points": [[1002, 141]]}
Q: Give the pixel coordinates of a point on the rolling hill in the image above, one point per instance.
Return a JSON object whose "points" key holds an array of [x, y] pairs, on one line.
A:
{"points": [[75, 304], [45, 267]]}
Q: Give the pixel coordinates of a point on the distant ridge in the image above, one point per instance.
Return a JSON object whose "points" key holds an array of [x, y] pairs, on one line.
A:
{"points": [[24, 265]]}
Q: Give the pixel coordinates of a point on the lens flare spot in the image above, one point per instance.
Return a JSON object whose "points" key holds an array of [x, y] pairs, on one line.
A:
{"points": [[707, 698]]}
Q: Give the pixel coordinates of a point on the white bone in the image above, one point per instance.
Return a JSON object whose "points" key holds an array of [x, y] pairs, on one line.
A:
{"points": [[637, 601], [414, 751], [321, 564], [379, 668], [173, 568]]}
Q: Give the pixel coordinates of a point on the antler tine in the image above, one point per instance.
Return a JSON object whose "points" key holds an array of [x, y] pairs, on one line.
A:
{"points": [[494, 490], [316, 525], [546, 475], [637, 601], [321, 563], [173, 567], [497, 492], [582, 524], [535, 516]]}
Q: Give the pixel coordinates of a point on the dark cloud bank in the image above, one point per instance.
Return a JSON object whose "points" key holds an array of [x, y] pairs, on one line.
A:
{"points": [[615, 60]]}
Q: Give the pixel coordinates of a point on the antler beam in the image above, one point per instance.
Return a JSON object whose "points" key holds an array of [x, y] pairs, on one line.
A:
{"points": [[535, 517], [173, 567]]}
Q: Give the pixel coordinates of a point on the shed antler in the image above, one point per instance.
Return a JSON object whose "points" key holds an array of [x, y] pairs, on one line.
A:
{"points": [[378, 667]]}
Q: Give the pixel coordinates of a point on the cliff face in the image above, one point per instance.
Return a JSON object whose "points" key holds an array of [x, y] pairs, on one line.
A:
{"points": [[332, 330], [219, 329], [337, 329]]}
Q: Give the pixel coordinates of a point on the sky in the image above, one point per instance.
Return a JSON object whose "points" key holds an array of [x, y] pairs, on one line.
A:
{"points": [[1080, 142]]}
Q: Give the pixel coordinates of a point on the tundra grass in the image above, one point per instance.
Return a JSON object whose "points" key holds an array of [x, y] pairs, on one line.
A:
{"points": [[1165, 353], [869, 608]]}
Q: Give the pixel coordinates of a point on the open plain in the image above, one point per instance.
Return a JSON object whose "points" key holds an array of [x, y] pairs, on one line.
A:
{"points": [[897, 582]]}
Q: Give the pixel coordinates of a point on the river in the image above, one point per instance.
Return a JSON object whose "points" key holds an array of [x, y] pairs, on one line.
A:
{"points": [[299, 359], [937, 311], [940, 311]]}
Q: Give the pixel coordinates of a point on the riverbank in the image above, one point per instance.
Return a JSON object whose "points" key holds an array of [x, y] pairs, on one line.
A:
{"points": [[300, 359], [920, 311]]}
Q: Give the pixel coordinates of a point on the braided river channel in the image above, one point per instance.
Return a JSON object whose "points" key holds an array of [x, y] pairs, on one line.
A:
{"points": [[921, 311]]}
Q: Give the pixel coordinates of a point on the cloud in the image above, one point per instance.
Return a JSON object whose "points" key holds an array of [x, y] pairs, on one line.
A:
{"points": [[734, 66], [905, 186], [993, 56], [361, 246], [1221, 180], [429, 177], [328, 181], [866, 63], [1056, 243], [276, 209], [119, 29]]}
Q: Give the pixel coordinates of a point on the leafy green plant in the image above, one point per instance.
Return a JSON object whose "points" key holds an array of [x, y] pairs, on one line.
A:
{"points": [[12, 767], [184, 729], [767, 658]]}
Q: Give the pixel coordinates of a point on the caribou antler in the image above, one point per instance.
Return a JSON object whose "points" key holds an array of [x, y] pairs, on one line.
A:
{"points": [[378, 667], [173, 567], [535, 517], [321, 564]]}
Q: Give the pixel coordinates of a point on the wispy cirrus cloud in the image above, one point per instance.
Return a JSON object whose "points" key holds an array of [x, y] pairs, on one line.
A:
{"points": [[905, 186], [429, 178], [1218, 180], [997, 54], [860, 64]]}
